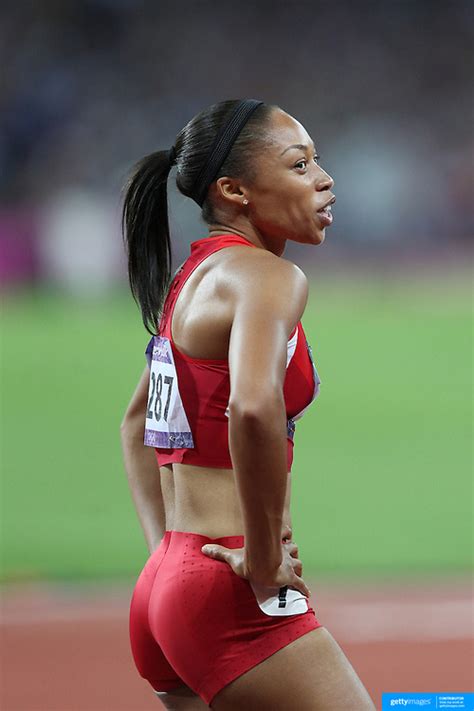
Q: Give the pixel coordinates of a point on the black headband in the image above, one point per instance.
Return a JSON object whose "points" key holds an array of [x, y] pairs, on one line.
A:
{"points": [[221, 147]]}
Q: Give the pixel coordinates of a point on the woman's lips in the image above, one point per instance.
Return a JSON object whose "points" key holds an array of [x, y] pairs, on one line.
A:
{"points": [[325, 216]]}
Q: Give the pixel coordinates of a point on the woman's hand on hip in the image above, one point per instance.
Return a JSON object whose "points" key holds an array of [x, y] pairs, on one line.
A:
{"points": [[288, 573]]}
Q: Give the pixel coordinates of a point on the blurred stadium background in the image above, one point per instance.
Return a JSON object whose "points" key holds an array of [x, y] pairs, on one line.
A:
{"points": [[382, 485]]}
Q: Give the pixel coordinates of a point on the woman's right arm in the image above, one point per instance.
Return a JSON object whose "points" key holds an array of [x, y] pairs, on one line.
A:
{"points": [[142, 470], [269, 295]]}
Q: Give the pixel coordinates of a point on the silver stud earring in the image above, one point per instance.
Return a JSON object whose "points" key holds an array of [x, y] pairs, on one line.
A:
{"points": [[245, 201]]}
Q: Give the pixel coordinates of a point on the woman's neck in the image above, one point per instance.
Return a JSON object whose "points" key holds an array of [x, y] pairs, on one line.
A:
{"points": [[249, 232]]}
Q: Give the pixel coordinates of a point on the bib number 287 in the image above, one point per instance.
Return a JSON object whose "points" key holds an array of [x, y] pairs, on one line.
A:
{"points": [[159, 403], [166, 423]]}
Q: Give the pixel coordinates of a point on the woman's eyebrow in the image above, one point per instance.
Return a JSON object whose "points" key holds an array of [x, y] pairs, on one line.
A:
{"points": [[299, 146]]}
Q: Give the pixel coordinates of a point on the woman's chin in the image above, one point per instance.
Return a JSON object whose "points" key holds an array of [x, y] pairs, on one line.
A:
{"points": [[311, 236], [315, 232], [319, 236]]}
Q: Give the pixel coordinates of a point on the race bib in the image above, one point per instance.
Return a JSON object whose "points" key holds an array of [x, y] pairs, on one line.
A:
{"points": [[166, 424], [317, 383], [277, 602]]}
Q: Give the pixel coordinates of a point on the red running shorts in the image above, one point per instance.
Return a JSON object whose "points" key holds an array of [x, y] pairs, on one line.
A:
{"points": [[194, 621]]}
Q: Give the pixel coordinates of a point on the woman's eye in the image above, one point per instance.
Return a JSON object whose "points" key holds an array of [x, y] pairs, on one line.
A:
{"points": [[301, 162]]}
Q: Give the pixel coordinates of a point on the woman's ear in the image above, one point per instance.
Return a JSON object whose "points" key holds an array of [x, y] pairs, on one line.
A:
{"points": [[230, 190]]}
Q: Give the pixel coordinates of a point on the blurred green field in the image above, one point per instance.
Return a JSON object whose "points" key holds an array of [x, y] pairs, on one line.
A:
{"points": [[383, 459]]}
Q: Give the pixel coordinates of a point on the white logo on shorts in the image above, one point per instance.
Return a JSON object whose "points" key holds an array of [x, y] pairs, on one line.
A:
{"points": [[280, 601]]}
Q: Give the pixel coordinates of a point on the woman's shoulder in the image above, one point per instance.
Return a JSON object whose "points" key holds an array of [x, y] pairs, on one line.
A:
{"points": [[256, 278], [259, 268]]}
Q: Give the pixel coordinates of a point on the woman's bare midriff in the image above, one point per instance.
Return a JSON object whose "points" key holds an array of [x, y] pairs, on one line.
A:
{"points": [[205, 500]]}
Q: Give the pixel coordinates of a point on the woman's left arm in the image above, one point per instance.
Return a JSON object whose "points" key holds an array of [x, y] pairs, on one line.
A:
{"points": [[142, 469]]}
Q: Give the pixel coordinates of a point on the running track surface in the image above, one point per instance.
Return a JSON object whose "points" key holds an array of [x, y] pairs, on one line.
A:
{"points": [[66, 648]]}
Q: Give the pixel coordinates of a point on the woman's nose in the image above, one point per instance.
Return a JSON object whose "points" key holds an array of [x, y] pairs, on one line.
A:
{"points": [[324, 181]]}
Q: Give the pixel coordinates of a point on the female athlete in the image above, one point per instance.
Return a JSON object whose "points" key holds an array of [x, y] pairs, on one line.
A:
{"points": [[220, 614]]}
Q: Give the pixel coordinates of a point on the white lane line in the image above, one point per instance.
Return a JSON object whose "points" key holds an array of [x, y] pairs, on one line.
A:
{"points": [[348, 622], [67, 614], [380, 621]]}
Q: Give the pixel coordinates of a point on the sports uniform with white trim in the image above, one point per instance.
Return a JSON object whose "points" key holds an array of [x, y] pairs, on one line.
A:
{"points": [[192, 619]]}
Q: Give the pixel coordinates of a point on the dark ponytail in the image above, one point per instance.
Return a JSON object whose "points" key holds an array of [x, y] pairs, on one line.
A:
{"points": [[146, 232], [145, 211]]}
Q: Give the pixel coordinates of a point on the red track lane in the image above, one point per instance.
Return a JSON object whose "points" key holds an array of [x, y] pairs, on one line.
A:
{"points": [[67, 649]]}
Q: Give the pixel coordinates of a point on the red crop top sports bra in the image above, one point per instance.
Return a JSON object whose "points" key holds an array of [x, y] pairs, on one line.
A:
{"points": [[187, 416]]}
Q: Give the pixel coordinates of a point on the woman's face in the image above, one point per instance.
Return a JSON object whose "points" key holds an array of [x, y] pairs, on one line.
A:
{"points": [[290, 189]]}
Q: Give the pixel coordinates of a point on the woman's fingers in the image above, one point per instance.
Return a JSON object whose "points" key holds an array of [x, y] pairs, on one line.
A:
{"points": [[227, 555], [217, 552], [292, 549], [300, 585], [297, 566]]}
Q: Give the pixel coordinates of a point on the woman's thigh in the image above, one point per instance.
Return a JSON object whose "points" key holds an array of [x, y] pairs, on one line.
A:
{"points": [[311, 673]]}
